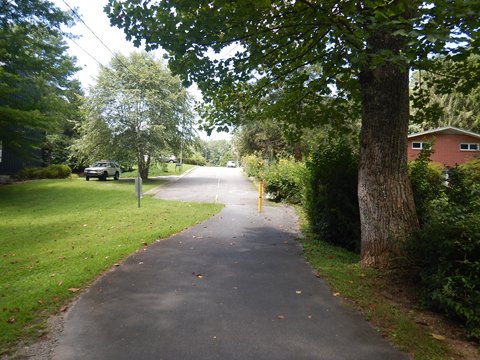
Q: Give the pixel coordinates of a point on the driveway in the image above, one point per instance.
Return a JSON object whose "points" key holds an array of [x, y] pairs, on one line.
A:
{"points": [[233, 287]]}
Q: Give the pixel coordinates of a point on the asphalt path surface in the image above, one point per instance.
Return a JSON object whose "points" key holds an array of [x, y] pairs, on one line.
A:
{"points": [[233, 287]]}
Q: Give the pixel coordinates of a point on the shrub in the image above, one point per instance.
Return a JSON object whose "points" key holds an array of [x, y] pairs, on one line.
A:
{"points": [[427, 182], [444, 254], [284, 181], [331, 195], [471, 170], [195, 159], [253, 166], [49, 172]]}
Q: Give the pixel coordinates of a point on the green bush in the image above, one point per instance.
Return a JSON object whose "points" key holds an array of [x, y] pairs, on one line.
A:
{"points": [[427, 183], [284, 181], [444, 254], [471, 170], [331, 195], [254, 166], [195, 159], [49, 172]]}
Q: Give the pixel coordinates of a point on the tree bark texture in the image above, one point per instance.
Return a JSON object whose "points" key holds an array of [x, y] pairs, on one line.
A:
{"points": [[387, 209]]}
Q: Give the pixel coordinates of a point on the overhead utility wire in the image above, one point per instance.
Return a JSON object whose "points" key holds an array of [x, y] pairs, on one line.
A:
{"points": [[98, 38]]}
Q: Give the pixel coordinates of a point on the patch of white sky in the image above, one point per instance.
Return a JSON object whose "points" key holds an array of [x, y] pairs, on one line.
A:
{"points": [[95, 42]]}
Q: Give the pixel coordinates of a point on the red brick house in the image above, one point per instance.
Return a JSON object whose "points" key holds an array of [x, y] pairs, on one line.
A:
{"points": [[451, 145]]}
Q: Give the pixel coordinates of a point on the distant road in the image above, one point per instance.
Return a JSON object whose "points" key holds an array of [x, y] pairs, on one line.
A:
{"points": [[212, 184]]}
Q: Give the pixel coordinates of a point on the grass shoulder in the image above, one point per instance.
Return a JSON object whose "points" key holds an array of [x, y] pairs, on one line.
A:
{"points": [[170, 169], [59, 235], [386, 302]]}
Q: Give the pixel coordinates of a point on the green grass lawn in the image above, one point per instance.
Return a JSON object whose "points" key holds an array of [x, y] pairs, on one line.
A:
{"points": [[57, 236], [157, 170]]}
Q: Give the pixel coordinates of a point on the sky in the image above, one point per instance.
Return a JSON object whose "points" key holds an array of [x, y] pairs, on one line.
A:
{"points": [[95, 47]]}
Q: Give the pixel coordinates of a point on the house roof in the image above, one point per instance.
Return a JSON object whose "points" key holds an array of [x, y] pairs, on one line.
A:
{"points": [[449, 130]]}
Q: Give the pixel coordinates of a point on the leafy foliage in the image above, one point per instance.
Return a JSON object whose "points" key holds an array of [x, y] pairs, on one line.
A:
{"points": [[427, 182], [444, 255], [331, 201], [49, 172], [444, 96], [216, 152], [36, 89], [254, 166], [195, 159], [284, 181], [288, 55]]}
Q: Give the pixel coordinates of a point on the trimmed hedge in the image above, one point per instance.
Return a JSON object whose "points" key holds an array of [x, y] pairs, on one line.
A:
{"points": [[331, 195], [49, 172]]}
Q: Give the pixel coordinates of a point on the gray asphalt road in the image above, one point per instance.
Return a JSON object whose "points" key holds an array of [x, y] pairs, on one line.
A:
{"points": [[234, 287]]}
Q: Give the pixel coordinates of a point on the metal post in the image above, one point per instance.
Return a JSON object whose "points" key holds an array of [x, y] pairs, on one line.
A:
{"points": [[260, 196]]}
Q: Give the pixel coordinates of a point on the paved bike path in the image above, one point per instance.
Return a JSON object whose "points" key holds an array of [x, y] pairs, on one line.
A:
{"points": [[233, 287]]}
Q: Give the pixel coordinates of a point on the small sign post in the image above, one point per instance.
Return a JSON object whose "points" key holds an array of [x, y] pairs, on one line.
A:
{"points": [[138, 189]]}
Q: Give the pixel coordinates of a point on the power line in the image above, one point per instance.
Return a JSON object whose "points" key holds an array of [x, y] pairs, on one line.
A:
{"points": [[98, 38], [88, 27]]}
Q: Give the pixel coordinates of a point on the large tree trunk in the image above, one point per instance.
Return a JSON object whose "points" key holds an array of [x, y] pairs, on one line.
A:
{"points": [[387, 210]]}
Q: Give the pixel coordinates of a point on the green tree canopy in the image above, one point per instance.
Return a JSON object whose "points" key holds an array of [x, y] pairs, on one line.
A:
{"points": [[242, 52], [36, 89], [446, 96], [216, 152], [135, 112]]}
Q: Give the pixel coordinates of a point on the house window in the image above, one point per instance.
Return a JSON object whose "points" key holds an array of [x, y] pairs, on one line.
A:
{"points": [[469, 147], [420, 145]]}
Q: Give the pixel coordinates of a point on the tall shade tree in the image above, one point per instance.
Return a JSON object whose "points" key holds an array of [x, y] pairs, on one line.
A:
{"points": [[136, 110], [36, 88], [237, 51]]}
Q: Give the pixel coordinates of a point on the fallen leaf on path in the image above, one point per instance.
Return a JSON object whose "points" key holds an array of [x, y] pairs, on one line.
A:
{"points": [[199, 276], [336, 294], [298, 292], [309, 317], [63, 308], [74, 290], [280, 317], [438, 337]]}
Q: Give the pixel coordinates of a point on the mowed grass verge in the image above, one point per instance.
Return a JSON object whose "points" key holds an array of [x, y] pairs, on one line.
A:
{"points": [[56, 236]]}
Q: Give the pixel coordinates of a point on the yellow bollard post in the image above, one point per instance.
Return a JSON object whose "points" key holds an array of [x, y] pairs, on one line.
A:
{"points": [[260, 196]]}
